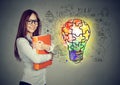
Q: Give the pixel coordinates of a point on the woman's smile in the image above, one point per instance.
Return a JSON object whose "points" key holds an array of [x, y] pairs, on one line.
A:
{"points": [[32, 23]]}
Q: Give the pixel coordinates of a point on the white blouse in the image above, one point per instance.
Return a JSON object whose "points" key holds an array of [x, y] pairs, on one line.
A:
{"points": [[29, 56]]}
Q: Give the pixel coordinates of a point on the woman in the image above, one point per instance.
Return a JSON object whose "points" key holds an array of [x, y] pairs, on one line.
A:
{"points": [[29, 26]]}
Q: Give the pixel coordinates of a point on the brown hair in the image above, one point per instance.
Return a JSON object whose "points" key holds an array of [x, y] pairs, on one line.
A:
{"points": [[22, 29]]}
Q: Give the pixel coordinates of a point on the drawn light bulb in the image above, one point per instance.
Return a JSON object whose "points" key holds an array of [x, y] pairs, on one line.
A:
{"points": [[75, 34]]}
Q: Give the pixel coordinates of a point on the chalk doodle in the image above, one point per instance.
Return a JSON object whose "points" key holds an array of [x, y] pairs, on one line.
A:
{"points": [[101, 39]]}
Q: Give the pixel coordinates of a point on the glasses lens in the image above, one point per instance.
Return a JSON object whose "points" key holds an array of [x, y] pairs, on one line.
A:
{"points": [[32, 21]]}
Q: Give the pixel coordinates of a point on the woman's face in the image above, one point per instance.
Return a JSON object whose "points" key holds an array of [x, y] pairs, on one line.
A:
{"points": [[32, 23]]}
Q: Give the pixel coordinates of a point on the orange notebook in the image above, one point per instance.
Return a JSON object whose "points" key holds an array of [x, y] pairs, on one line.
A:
{"points": [[47, 40]]}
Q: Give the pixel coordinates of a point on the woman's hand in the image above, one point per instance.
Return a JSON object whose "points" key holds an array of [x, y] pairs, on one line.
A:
{"points": [[41, 46], [46, 47], [38, 45]]}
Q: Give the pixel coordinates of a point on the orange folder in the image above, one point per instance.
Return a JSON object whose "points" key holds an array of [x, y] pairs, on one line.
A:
{"points": [[47, 40]]}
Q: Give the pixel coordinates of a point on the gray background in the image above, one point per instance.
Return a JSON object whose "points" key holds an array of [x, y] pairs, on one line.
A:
{"points": [[101, 68]]}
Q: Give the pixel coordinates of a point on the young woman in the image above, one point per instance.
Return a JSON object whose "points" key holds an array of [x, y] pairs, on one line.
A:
{"points": [[29, 26]]}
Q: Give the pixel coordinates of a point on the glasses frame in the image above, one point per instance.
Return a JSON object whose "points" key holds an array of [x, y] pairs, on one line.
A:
{"points": [[30, 22]]}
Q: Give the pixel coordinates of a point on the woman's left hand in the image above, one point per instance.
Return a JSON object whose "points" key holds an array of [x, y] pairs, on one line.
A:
{"points": [[46, 47]]}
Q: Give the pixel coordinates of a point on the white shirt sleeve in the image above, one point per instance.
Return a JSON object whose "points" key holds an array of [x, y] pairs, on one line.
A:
{"points": [[25, 49]]}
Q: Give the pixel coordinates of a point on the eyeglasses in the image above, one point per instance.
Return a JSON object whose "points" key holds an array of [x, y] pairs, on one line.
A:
{"points": [[30, 22]]}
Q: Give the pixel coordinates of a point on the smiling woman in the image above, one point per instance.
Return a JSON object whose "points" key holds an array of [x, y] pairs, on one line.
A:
{"points": [[29, 26]]}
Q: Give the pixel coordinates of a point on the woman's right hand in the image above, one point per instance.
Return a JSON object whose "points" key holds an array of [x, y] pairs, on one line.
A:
{"points": [[38, 45]]}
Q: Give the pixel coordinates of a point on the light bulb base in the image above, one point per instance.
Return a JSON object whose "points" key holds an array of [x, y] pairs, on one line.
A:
{"points": [[76, 56]]}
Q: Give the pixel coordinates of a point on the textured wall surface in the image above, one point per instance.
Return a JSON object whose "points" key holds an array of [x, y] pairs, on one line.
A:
{"points": [[101, 64]]}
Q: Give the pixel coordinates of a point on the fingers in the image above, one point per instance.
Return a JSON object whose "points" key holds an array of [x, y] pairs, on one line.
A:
{"points": [[41, 46], [38, 45], [40, 42], [46, 47]]}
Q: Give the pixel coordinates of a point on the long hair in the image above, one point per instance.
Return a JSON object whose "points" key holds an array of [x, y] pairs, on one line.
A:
{"points": [[22, 29]]}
